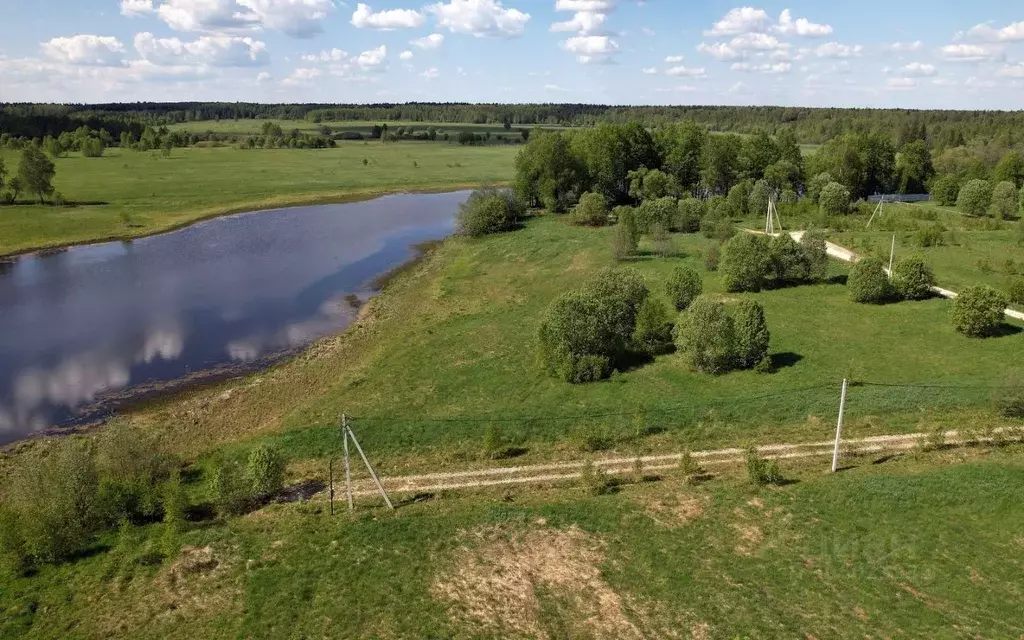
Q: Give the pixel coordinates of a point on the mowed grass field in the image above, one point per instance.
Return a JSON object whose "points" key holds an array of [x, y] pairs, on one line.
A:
{"points": [[158, 193], [923, 545], [449, 350]]}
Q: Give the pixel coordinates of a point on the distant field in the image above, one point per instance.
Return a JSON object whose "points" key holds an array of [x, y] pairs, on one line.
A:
{"points": [[243, 127], [157, 193]]}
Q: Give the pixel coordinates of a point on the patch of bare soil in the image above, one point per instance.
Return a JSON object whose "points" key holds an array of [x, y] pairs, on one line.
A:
{"points": [[674, 510], [495, 581]]}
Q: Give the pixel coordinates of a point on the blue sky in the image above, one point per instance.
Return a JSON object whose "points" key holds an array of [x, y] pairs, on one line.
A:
{"points": [[895, 53]]}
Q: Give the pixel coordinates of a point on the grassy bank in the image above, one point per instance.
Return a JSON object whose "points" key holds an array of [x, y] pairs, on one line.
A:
{"points": [[129, 194], [924, 545], [447, 352]]}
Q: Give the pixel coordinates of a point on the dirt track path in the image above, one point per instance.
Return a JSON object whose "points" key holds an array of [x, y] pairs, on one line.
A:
{"points": [[556, 472], [844, 254]]}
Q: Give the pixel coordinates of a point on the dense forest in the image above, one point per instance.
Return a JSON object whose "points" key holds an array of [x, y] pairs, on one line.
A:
{"points": [[940, 129]]}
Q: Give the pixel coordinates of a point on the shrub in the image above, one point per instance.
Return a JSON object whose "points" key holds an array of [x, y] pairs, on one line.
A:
{"points": [[930, 236], [92, 148], [661, 242], [975, 197], [488, 210], [787, 260], [945, 190], [653, 333], [624, 244], [52, 502], [868, 282], [1015, 291], [583, 333], [745, 262], [228, 488], [834, 200], [717, 228], [752, 335], [592, 211], [660, 211], [788, 196], [1004, 201], [625, 216], [761, 471], [706, 336], [595, 480], [816, 185], [683, 286], [689, 214], [978, 311], [758, 199], [264, 471], [816, 254], [131, 465], [739, 198], [711, 257], [912, 278]]}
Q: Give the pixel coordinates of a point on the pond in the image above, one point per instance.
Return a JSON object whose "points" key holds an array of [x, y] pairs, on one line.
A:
{"points": [[85, 328]]}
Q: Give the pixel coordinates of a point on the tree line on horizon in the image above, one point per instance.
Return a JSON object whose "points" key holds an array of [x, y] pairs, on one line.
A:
{"points": [[939, 129]]}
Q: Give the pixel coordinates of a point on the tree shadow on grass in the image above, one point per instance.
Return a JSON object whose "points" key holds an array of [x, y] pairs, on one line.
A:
{"points": [[785, 360], [839, 279], [1005, 329]]}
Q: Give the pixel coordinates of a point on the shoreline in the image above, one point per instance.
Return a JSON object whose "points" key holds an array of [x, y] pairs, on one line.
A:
{"points": [[287, 202], [94, 415]]}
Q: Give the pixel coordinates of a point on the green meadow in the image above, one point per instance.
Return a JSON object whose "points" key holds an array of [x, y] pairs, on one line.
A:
{"points": [[128, 194]]}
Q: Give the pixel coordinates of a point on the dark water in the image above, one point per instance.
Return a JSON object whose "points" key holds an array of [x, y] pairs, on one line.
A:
{"points": [[90, 323]]}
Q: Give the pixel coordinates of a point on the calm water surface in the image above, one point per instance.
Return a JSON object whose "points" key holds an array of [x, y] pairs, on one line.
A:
{"points": [[92, 322]]}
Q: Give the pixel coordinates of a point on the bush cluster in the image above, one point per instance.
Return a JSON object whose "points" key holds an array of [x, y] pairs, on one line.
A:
{"points": [[587, 332], [713, 341], [236, 488], [487, 211], [750, 262], [978, 311], [683, 286], [912, 278], [868, 282], [592, 211]]}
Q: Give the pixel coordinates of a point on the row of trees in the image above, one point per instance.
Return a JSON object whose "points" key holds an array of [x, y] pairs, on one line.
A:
{"points": [[54, 507], [938, 129]]}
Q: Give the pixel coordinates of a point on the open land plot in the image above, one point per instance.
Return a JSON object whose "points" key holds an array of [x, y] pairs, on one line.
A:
{"points": [[925, 544], [449, 347], [129, 194]]}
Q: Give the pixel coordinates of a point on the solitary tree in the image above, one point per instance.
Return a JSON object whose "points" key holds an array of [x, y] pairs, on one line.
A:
{"points": [[913, 278], [592, 211], [745, 261], [706, 336], [868, 282], [834, 199], [816, 252], [975, 197], [759, 195], [36, 172], [683, 287], [752, 335], [978, 311], [945, 190], [816, 184], [1004, 201]]}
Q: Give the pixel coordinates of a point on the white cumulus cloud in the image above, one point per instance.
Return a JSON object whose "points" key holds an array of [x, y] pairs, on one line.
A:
{"points": [[918, 70], [972, 53], [987, 33], [297, 18], [768, 68], [905, 47], [100, 51], [720, 51], [136, 8], [684, 71], [405, 55], [431, 73], [216, 51], [1012, 71], [480, 18], [837, 50], [433, 41], [583, 22], [801, 26], [365, 18], [740, 20], [673, 59], [585, 5], [373, 59], [591, 49]]}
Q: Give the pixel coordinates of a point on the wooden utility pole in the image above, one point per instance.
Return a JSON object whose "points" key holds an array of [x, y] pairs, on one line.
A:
{"points": [[839, 428], [348, 472], [347, 433]]}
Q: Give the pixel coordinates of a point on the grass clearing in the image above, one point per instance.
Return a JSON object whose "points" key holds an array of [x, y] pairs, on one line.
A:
{"points": [[137, 193], [926, 544], [453, 339]]}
